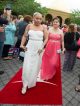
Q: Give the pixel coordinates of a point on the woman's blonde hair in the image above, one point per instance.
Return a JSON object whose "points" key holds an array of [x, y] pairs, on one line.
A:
{"points": [[20, 16], [36, 13]]}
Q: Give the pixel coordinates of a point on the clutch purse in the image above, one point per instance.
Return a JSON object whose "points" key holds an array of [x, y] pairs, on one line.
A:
{"points": [[78, 42], [78, 54]]}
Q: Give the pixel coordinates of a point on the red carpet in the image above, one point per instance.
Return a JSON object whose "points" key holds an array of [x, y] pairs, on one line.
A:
{"points": [[43, 93]]}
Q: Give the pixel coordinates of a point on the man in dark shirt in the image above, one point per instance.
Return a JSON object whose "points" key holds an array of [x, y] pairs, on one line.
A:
{"points": [[2, 36], [21, 29]]}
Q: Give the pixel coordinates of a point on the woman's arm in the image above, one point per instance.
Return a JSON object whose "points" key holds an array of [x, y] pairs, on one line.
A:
{"points": [[62, 42], [45, 31]]}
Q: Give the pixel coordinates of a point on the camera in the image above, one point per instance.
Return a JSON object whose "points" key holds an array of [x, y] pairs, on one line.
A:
{"points": [[7, 8]]}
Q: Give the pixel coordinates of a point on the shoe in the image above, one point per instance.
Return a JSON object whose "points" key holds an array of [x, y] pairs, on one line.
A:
{"points": [[77, 88], [1, 72], [24, 89], [7, 58]]}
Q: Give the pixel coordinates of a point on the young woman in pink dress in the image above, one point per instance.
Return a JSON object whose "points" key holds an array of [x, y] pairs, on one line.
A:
{"points": [[51, 56]]}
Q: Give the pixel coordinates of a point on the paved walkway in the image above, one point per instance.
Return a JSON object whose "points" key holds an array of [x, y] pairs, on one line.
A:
{"points": [[69, 80]]}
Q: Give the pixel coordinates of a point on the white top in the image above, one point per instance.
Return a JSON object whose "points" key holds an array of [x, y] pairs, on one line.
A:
{"points": [[35, 35]]}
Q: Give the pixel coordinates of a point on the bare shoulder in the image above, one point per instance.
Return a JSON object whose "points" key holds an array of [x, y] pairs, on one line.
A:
{"points": [[29, 25], [60, 31], [50, 29], [44, 26]]}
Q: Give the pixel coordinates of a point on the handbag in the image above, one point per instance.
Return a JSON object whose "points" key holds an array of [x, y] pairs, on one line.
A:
{"points": [[78, 54], [78, 42]]}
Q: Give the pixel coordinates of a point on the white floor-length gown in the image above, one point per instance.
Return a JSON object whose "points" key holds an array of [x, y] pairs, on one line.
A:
{"points": [[32, 60]]}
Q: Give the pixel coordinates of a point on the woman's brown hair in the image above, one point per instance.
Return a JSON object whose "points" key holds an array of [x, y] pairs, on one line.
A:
{"points": [[71, 28], [28, 18], [56, 18]]}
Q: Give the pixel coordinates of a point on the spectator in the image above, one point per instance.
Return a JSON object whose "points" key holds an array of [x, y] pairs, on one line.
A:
{"points": [[9, 33], [2, 36], [70, 39], [65, 28], [21, 28]]}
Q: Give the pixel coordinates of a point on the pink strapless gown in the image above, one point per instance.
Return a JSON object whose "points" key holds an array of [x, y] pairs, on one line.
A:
{"points": [[51, 59]]}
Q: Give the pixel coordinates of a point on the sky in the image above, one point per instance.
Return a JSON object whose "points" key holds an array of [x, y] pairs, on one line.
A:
{"points": [[63, 5]]}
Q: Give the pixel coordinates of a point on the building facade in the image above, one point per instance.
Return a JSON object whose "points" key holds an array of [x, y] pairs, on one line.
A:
{"points": [[63, 16]]}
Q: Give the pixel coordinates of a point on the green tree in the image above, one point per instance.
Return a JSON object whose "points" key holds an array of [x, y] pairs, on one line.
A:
{"points": [[75, 17], [23, 6]]}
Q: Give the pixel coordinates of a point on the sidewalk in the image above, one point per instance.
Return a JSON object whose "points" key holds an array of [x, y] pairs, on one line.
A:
{"points": [[69, 80]]}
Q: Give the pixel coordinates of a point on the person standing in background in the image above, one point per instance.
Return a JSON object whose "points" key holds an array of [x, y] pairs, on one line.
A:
{"points": [[65, 28], [3, 22], [70, 41], [10, 37], [21, 29]]}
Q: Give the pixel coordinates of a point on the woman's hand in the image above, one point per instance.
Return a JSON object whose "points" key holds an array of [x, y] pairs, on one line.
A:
{"points": [[1, 29], [40, 51], [23, 47], [63, 51]]}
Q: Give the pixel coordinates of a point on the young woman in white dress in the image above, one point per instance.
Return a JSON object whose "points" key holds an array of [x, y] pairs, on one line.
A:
{"points": [[33, 50]]}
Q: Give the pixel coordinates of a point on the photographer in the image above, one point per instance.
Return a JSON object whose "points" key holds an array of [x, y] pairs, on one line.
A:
{"points": [[7, 13]]}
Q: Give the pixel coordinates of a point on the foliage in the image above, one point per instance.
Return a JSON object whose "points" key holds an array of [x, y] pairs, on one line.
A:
{"points": [[75, 17], [23, 6], [67, 21]]}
